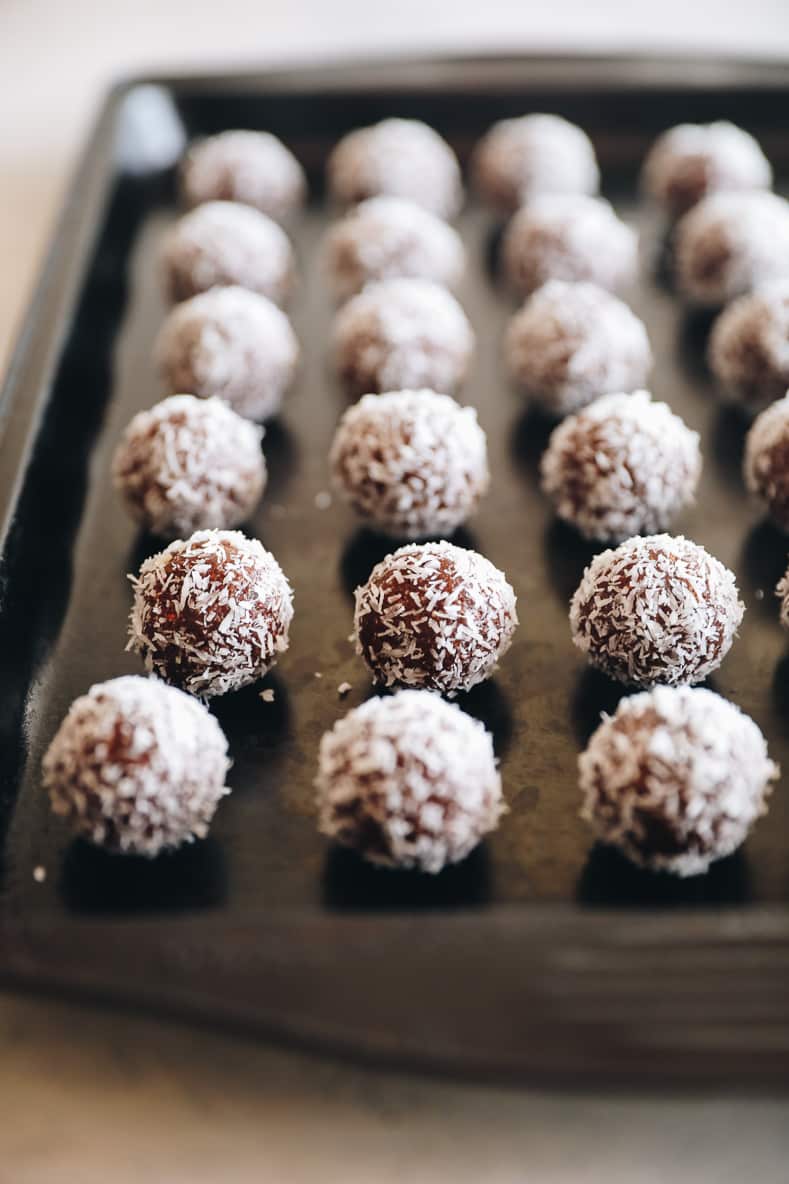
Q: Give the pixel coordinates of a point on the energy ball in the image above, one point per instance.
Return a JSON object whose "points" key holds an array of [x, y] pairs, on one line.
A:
{"points": [[389, 237], [189, 464], [413, 463], [402, 334], [693, 159], [675, 779], [254, 168], [730, 243], [766, 461], [568, 237], [658, 609], [398, 157], [222, 243], [572, 342], [211, 613], [519, 159], [408, 781], [232, 344], [622, 466], [749, 345], [137, 767], [434, 616]]}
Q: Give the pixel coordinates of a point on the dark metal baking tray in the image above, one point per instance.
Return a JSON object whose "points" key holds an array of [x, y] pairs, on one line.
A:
{"points": [[541, 954]]}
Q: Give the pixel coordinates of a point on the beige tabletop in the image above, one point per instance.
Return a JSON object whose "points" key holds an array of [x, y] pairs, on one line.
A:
{"points": [[89, 1095]]}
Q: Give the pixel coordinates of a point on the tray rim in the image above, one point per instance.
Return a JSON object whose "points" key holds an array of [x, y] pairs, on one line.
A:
{"points": [[23, 399]]}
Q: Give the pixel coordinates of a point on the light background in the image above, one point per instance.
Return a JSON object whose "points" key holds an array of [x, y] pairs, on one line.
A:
{"points": [[89, 1096]]}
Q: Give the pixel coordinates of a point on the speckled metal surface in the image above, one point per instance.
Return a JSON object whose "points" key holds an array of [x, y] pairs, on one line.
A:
{"points": [[541, 953]]}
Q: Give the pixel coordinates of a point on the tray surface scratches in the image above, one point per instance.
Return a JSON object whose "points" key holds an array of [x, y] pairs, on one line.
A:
{"points": [[541, 953]]}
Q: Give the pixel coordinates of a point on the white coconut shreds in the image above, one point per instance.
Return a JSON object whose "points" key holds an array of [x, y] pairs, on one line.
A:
{"points": [[533, 154], [675, 778], [622, 466], [574, 341], [222, 243], [399, 157], [658, 609], [414, 463], [389, 237], [409, 781], [254, 168], [766, 461], [749, 345], [693, 159], [137, 766], [568, 236], [731, 243], [211, 613], [435, 616], [189, 464], [402, 334], [231, 343]]}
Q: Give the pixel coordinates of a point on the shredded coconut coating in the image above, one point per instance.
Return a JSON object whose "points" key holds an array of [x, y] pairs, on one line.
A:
{"points": [[568, 237], [691, 160], [211, 613], [435, 616], [675, 779], [766, 461], [519, 159], [398, 157], [622, 466], [254, 168], [574, 341], [387, 238], [413, 463], [658, 609], [402, 334], [189, 464], [137, 767], [232, 344], [731, 243], [223, 243], [749, 346], [408, 781]]}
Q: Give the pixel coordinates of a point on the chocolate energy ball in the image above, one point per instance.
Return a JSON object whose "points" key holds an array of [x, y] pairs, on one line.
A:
{"points": [[229, 343], [568, 237], [658, 609], [749, 345], [402, 334], [766, 461], [189, 464], [691, 160], [675, 779], [211, 613], [731, 243], [622, 466], [413, 463], [408, 781], [398, 157], [222, 243], [572, 342], [137, 766], [254, 168], [518, 159], [434, 616], [388, 237]]}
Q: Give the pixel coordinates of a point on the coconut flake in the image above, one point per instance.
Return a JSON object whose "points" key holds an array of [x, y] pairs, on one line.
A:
{"points": [[675, 778], [658, 609], [137, 766], [436, 616], [409, 781]]}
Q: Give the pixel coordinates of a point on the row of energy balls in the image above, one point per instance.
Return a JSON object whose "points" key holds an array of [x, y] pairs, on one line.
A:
{"points": [[677, 775]]}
